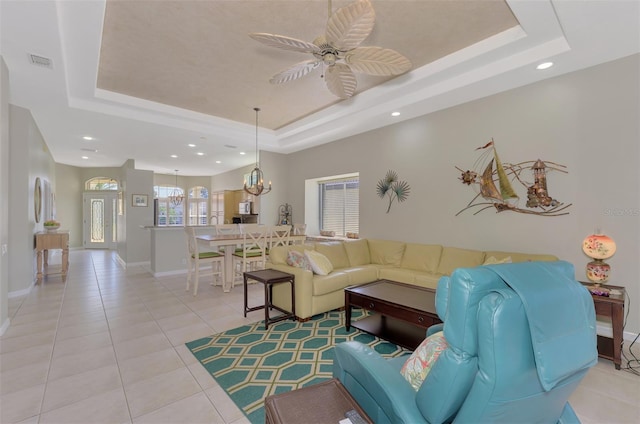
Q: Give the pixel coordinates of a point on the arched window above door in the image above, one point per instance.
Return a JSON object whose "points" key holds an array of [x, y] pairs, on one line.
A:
{"points": [[101, 183]]}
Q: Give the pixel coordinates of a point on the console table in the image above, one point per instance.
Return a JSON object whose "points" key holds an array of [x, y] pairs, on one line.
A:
{"points": [[611, 307], [46, 241]]}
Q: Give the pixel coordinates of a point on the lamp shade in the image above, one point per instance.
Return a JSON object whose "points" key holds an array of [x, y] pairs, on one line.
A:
{"points": [[599, 246]]}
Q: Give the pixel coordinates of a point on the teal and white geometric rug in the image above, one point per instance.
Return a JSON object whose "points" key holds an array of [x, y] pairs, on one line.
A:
{"points": [[250, 363]]}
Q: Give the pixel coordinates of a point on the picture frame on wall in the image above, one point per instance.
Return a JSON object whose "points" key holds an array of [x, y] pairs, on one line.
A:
{"points": [[139, 200]]}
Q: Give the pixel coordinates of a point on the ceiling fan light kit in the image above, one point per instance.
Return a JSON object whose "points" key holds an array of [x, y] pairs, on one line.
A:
{"points": [[338, 51]]}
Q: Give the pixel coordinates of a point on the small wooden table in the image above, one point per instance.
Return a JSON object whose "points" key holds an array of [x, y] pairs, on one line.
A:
{"points": [[611, 307], [46, 241], [320, 403], [402, 312], [269, 277]]}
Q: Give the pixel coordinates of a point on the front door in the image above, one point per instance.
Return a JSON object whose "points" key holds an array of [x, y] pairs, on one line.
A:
{"points": [[99, 227]]}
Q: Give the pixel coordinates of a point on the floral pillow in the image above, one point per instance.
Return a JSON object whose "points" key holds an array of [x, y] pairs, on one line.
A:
{"points": [[298, 260], [417, 367]]}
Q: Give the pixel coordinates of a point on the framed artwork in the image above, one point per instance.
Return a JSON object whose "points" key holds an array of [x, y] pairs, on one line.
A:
{"points": [[139, 200]]}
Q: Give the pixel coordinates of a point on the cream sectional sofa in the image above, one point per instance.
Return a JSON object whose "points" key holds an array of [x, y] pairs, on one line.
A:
{"points": [[366, 260]]}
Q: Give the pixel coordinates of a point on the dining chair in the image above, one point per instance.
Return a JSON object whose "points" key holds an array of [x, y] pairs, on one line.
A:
{"points": [[299, 230], [196, 259], [279, 235], [253, 253], [222, 229]]}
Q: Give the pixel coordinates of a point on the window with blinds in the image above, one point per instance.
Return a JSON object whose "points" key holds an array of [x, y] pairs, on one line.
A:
{"points": [[339, 205]]}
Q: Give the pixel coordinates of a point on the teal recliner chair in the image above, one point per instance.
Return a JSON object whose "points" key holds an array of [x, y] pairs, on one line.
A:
{"points": [[521, 338]]}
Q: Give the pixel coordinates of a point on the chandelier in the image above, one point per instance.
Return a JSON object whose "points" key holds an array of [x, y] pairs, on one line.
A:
{"points": [[256, 178], [177, 196]]}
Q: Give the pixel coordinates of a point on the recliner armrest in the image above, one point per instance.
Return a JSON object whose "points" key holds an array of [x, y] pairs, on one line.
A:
{"points": [[377, 386], [435, 328]]}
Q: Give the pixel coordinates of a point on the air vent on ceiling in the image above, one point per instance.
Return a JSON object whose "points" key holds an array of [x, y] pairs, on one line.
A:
{"points": [[45, 62], [89, 150], [230, 146]]}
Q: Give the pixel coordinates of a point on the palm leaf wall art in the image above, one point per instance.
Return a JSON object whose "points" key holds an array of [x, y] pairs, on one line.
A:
{"points": [[391, 187]]}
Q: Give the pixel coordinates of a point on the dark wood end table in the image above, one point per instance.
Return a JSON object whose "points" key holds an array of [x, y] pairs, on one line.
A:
{"points": [[320, 403], [401, 312], [611, 307], [269, 277]]}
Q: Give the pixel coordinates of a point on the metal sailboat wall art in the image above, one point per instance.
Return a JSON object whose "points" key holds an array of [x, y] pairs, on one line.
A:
{"points": [[503, 197]]}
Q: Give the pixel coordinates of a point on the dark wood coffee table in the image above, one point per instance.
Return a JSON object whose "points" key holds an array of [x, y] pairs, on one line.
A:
{"points": [[401, 312]]}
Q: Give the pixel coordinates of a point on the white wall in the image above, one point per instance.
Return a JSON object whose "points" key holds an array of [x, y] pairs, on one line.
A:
{"points": [[29, 159], [587, 120], [138, 240], [4, 195]]}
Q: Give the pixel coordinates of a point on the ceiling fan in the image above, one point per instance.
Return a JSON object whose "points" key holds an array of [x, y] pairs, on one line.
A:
{"points": [[338, 51]]}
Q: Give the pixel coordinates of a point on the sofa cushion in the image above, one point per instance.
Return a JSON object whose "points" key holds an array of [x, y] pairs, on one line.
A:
{"points": [[358, 252], [427, 279], [421, 257], [385, 252], [454, 257], [336, 281], [361, 274], [520, 257], [397, 274], [320, 264], [335, 252]]}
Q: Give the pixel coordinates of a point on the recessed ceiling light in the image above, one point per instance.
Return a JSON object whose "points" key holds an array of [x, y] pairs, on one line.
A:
{"points": [[174, 156], [88, 138], [395, 113], [85, 157], [242, 153], [544, 65], [191, 145], [218, 161], [200, 154]]}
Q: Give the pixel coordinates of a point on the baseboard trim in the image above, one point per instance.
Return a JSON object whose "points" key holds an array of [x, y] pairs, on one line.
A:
{"points": [[169, 273], [606, 331], [23, 292]]}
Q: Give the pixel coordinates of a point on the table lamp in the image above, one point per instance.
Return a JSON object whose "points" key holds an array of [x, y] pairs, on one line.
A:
{"points": [[598, 247]]}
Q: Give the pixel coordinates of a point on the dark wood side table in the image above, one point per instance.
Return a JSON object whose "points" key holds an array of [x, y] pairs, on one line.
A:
{"points": [[611, 307], [269, 277]]}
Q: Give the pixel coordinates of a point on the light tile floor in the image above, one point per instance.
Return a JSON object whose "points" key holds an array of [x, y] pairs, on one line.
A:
{"points": [[108, 347]]}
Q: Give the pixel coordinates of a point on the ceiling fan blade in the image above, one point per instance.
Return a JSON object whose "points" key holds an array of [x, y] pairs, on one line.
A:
{"points": [[377, 61], [350, 25], [340, 80], [296, 71], [286, 43]]}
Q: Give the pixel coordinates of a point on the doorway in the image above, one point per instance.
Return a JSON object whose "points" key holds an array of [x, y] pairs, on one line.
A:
{"points": [[98, 220]]}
